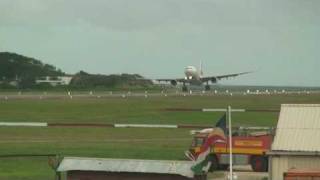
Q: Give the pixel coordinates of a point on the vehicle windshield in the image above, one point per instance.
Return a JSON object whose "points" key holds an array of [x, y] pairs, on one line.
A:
{"points": [[198, 141]]}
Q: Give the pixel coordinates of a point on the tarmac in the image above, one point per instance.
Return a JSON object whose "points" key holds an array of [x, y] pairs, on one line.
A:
{"points": [[109, 94]]}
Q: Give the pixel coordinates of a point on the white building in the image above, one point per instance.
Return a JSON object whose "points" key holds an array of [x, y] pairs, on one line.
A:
{"points": [[297, 141], [55, 81]]}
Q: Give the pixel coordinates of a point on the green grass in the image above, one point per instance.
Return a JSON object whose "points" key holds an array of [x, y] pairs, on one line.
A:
{"points": [[96, 142], [141, 110], [25, 169], [117, 143]]}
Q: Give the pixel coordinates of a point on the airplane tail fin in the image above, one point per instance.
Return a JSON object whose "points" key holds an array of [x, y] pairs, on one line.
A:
{"points": [[200, 68]]}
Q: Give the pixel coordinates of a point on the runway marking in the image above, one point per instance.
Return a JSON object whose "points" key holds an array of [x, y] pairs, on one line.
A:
{"points": [[93, 141], [21, 124], [144, 126], [100, 125]]}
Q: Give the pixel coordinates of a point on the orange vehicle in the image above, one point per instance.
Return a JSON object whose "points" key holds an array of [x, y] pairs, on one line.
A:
{"points": [[248, 148]]}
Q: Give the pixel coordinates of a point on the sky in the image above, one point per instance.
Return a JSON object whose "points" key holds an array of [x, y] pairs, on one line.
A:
{"points": [[278, 40]]}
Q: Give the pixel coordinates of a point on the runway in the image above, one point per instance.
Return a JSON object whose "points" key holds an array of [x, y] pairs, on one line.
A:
{"points": [[99, 125], [109, 94]]}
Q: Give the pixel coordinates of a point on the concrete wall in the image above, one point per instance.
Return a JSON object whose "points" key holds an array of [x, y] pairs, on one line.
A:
{"points": [[281, 164], [92, 175]]}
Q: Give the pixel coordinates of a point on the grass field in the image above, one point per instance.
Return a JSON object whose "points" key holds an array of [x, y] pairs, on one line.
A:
{"points": [[117, 143]]}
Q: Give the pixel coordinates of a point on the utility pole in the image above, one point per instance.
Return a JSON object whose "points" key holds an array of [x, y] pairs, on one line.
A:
{"points": [[230, 143]]}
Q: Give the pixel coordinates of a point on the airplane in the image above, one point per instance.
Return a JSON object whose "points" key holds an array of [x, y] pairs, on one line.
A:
{"points": [[193, 76]]}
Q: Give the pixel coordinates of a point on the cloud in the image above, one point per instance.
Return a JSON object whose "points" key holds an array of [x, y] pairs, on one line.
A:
{"points": [[141, 14], [112, 36]]}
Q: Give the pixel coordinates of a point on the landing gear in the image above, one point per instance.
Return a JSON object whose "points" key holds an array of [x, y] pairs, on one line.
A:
{"points": [[184, 88], [207, 87]]}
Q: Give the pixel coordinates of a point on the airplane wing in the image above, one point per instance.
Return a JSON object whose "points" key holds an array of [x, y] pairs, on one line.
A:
{"points": [[181, 80], [216, 78]]}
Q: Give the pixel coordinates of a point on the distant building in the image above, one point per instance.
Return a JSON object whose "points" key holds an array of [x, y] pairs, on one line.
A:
{"points": [[296, 146], [14, 83], [55, 80]]}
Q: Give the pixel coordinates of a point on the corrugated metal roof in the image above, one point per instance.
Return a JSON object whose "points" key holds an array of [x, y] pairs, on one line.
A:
{"points": [[298, 128], [182, 168]]}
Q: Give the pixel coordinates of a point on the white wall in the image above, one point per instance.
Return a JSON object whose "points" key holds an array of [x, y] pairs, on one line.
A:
{"points": [[281, 164]]}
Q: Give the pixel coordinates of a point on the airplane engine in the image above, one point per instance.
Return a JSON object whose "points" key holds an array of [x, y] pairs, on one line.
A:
{"points": [[214, 80], [173, 82]]}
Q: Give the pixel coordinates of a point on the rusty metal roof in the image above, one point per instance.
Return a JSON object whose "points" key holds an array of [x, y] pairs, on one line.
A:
{"points": [[298, 128], [182, 168]]}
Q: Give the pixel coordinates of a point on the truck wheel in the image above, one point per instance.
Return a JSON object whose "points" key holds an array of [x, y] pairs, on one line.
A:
{"points": [[214, 163], [223, 166], [201, 177], [259, 163]]}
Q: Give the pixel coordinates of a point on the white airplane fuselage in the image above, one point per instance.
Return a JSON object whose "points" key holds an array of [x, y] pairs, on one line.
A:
{"points": [[192, 75]]}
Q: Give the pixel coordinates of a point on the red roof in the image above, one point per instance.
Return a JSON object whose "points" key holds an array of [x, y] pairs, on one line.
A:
{"points": [[303, 173]]}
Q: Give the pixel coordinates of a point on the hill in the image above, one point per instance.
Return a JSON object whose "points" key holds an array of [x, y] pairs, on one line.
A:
{"points": [[23, 70], [18, 71], [14, 66], [83, 80]]}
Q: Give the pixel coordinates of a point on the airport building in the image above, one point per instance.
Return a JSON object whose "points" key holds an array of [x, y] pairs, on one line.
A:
{"points": [[55, 81], [296, 147]]}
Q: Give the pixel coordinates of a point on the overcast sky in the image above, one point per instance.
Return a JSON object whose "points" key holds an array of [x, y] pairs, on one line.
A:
{"points": [[279, 39]]}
